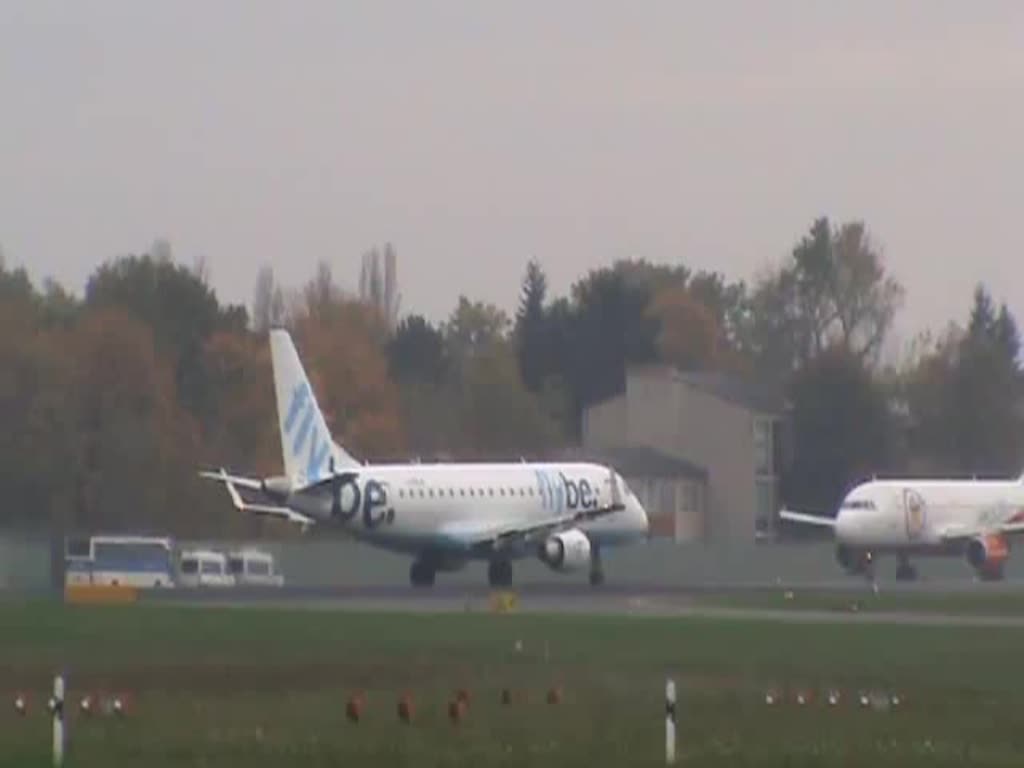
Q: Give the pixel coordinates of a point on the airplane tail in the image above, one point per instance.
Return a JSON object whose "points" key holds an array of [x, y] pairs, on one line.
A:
{"points": [[306, 445]]}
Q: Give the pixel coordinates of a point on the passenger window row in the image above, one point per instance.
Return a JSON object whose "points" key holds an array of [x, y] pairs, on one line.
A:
{"points": [[423, 493]]}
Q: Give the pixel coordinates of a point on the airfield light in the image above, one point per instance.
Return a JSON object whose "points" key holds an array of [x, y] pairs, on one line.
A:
{"points": [[405, 708], [456, 710], [354, 708]]}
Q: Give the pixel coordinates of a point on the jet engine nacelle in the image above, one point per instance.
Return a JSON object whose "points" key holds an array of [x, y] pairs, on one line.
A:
{"points": [[853, 560], [987, 554], [566, 551], [277, 487]]}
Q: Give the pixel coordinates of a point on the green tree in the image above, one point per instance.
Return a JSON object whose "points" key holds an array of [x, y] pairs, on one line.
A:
{"points": [[418, 363], [842, 430], [609, 328], [473, 326], [834, 289], [987, 391], [498, 417], [416, 352], [531, 332]]}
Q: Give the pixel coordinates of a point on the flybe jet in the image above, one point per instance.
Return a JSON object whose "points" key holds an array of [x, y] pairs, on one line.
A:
{"points": [[966, 518], [444, 515]]}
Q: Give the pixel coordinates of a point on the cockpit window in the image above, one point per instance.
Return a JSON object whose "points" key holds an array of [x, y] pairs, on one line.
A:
{"points": [[858, 504]]}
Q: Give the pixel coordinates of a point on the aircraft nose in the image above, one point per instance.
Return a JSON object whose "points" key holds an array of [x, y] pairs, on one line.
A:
{"points": [[642, 521]]}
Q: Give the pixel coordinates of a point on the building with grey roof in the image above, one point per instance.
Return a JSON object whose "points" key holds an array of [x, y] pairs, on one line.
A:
{"points": [[703, 451]]}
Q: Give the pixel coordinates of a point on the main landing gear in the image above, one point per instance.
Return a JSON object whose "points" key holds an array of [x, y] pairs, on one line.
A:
{"points": [[499, 573], [596, 571], [421, 573]]}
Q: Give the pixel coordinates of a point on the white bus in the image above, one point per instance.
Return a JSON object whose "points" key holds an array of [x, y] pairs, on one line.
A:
{"points": [[131, 561]]}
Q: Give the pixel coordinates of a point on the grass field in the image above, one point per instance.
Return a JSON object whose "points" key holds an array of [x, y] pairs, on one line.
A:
{"points": [[251, 687]]}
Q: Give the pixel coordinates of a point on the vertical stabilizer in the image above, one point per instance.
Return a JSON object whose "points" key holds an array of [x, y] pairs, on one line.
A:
{"points": [[306, 444]]}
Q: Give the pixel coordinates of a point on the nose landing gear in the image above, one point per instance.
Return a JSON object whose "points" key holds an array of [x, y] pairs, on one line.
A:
{"points": [[905, 571], [596, 571]]}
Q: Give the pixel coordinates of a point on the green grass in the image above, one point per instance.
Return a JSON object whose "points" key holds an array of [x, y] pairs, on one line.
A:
{"points": [[252, 687], [974, 603]]}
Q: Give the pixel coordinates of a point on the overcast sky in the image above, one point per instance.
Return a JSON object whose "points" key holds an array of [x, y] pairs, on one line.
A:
{"points": [[475, 135]]}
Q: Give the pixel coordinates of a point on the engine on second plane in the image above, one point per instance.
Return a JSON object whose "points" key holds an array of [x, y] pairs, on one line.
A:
{"points": [[566, 551], [987, 554]]}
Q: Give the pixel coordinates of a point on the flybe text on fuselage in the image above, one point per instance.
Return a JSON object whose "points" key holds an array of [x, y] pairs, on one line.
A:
{"points": [[369, 500]]}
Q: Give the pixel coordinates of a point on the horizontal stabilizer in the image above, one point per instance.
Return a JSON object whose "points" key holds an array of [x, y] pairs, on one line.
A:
{"points": [[264, 510], [806, 519]]}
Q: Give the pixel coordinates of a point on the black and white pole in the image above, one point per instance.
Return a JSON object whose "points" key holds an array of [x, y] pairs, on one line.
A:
{"points": [[670, 722], [57, 709]]}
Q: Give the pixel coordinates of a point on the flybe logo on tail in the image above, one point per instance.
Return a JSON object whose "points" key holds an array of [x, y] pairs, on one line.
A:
{"points": [[302, 426]]}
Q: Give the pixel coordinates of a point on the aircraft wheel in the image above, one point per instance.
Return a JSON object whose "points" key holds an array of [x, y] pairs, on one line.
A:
{"points": [[421, 574], [499, 573], [906, 572]]}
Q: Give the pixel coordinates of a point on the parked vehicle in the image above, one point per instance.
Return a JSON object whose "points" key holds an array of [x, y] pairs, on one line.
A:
{"points": [[254, 567], [204, 568]]}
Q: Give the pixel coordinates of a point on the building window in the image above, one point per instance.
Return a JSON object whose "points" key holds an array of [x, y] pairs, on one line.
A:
{"points": [[763, 446], [667, 500], [765, 501]]}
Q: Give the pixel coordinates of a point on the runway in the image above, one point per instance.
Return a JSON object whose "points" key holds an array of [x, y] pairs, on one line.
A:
{"points": [[691, 601]]}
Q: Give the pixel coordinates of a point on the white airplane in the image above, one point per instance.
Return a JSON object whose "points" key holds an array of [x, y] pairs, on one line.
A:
{"points": [[972, 518], [443, 514]]}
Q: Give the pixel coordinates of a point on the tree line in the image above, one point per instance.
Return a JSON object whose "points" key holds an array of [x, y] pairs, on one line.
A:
{"points": [[111, 401]]}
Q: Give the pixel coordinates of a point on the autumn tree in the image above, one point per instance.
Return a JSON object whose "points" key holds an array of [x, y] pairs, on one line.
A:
{"points": [[241, 391], [689, 337], [136, 447], [180, 309], [37, 459], [339, 345]]}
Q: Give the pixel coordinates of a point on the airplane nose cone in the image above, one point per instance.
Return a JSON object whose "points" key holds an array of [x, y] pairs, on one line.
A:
{"points": [[643, 522]]}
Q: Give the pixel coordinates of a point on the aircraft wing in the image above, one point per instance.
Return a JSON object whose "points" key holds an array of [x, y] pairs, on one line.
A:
{"points": [[805, 518], [512, 535], [232, 483]]}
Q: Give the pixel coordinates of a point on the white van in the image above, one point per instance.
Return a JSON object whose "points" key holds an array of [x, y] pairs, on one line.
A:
{"points": [[254, 567], [204, 568]]}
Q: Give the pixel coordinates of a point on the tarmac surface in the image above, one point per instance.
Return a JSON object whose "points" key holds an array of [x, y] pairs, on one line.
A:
{"points": [[574, 598]]}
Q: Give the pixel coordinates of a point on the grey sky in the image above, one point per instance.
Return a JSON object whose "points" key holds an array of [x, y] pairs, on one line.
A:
{"points": [[475, 135]]}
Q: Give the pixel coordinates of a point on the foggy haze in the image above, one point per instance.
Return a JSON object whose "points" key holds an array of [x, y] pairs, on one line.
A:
{"points": [[476, 136]]}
